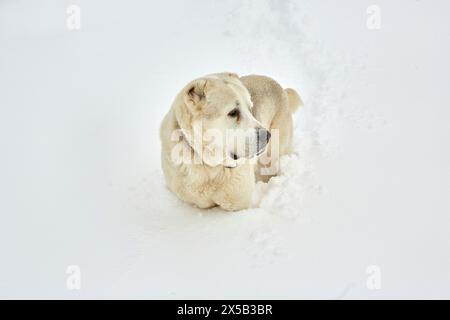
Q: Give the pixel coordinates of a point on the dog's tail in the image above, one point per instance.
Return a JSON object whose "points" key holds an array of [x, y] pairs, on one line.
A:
{"points": [[294, 100]]}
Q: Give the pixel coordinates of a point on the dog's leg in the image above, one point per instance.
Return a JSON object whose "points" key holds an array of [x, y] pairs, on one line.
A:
{"points": [[237, 189]]}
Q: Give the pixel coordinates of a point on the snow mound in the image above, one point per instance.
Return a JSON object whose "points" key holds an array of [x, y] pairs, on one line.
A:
{"points": [[288, 193]]}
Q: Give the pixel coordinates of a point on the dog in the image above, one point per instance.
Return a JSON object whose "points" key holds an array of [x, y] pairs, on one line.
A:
{"points": [[216, 130]]}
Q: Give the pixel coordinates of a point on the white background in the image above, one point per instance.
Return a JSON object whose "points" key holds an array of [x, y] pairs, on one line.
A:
{"points": [[80, 177]]}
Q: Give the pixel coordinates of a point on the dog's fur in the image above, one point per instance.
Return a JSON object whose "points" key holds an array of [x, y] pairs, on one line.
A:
{"points": [[211, 102]]}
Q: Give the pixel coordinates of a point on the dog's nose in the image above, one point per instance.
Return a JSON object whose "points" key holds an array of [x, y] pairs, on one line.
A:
{"points": [[263, 137], [268, 135]]}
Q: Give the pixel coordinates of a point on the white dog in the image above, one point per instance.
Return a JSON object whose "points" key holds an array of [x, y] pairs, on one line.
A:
{"points": [[216, 128]]}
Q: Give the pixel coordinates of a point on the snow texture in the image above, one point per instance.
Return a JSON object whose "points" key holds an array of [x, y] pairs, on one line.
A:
{"points": [[367, 185]]}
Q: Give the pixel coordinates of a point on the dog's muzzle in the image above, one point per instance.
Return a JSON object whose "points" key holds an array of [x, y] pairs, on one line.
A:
{"points": [[262, 139]]}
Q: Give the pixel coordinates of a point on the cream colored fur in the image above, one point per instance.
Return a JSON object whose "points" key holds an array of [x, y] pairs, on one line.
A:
{"points": [[273, 106], [209, 101]]}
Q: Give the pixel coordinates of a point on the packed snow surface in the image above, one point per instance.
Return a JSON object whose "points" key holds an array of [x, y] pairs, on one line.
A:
{"points": [[366, 189]]}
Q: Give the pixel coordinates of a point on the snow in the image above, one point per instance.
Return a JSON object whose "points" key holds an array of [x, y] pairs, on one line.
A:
{"points": [[367, 185]]}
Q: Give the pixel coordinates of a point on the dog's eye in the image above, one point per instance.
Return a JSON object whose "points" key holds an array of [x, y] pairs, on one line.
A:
{"points": [[234, 113]]}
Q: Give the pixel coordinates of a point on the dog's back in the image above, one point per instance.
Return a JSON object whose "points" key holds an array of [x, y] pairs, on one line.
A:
{"points": [[273, 106], [269, 98]]}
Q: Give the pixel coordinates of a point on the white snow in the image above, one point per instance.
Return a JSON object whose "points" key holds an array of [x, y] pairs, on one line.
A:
{"points": [[81, 182]]}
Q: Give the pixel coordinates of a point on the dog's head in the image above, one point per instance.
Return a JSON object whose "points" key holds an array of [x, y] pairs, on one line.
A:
{"points": [[217, 118]]}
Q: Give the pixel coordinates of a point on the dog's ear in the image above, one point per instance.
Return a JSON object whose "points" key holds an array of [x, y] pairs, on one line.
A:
{"points": [[195, 93], [233, 75]]}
